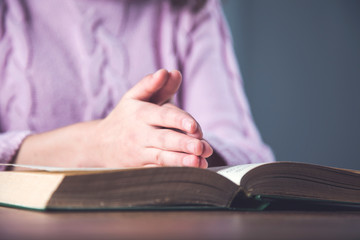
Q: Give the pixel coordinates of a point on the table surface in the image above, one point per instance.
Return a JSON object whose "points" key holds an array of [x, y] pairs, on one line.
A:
{"points": [[26, 224]]}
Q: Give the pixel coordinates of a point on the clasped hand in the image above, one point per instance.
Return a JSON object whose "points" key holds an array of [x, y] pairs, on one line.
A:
{"points": [[144, 129]]}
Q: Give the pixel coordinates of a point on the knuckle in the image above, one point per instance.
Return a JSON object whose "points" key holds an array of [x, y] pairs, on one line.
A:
{"points": [[158, 158], [169, 105], [177, 159], [161, 138], [191, 161], [175, 117], [164, 113], [184, 144], [140, 112]]}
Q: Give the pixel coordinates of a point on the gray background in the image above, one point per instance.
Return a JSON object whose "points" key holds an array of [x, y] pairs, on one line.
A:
{"points": [[300, 60]]}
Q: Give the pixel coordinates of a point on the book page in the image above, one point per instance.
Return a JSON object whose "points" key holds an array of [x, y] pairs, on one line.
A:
{"points": [[236, 173], [26, 189]]}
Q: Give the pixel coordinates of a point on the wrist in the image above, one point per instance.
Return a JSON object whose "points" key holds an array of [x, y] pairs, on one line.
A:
{"points": [[71, 146], [87, 152]]}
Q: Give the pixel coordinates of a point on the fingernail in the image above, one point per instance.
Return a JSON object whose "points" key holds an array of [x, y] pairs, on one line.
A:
{"points": [[188, 125], [203, 163], [177, 72], [158, 73], [208, 150]]}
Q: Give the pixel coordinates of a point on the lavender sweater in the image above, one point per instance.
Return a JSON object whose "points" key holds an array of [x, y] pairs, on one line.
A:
{"points": [[67, 61]]}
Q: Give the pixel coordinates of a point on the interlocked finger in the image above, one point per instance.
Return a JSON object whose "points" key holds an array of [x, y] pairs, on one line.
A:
{"points": [[170, 140], [172, 118], [158, 157]]}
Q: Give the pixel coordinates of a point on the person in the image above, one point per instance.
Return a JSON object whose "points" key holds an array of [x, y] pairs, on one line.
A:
{"points": [[73, 91]]}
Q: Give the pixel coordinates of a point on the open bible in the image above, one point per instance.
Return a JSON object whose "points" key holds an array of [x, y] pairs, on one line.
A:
{"points": [[252, 186]]}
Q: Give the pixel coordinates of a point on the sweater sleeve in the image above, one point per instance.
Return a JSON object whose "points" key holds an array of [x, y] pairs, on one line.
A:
{"points": [[10, 143], [213, 89]]}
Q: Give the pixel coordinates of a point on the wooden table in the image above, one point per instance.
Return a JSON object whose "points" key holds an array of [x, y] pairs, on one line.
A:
{"points": [[24, 224]]}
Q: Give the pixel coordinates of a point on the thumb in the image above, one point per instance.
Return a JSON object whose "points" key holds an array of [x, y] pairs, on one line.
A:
{"points": [[148, 86], [169, 89]]}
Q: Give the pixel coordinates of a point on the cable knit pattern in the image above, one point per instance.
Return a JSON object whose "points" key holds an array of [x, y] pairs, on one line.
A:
{"points": [[15, 60], [106, 63], [68, 61], [224, 107]]}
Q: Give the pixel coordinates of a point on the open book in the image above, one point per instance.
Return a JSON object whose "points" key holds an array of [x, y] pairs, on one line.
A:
{"points": [[245, 186]]}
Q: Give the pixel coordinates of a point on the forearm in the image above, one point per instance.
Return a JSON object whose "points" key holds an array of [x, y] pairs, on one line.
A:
{"points": [[63, 147]]}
